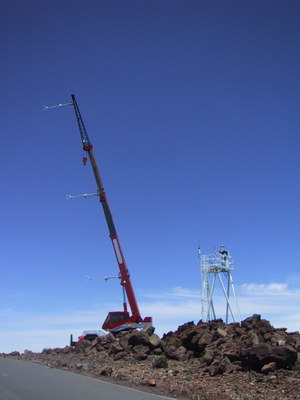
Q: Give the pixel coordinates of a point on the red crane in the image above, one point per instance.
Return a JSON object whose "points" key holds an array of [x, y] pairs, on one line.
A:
{"points": [[115, 320]]}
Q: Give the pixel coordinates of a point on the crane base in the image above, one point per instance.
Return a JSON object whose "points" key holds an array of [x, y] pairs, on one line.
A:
{"points": [[136, 325]]}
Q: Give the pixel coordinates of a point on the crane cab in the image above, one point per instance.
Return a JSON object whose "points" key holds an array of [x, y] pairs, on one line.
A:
{"points": [[115, 319]]}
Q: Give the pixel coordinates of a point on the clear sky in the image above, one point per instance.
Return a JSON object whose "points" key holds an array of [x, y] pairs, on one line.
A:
{"points": [[193, 111]]}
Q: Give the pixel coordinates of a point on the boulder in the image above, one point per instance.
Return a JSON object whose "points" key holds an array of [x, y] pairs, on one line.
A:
{"points": [[68, 350], [106, 371], [170, 352], [140, 352], [199, 343], [255, 339], [213, 369], [125, 345], [149, 330], [151, 382], [284, 356], [83, 346], [258, 355], [256, 323], [233, 354], [154, 341], [225, 366], [209, 356], [222, 332], [183, 335], [119, 356], [138, 337], [103, 342], [204, 340], [271, 367], [115, 348], [181, 354]]}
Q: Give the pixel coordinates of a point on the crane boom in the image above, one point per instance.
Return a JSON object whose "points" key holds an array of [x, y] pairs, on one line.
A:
{"points": [[115, 320]]}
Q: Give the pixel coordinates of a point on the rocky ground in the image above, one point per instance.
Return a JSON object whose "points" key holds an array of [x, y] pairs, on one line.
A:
{"points": [[207, 361]]}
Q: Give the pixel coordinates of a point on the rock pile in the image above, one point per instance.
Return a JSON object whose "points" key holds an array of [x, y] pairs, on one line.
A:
{"points": [[252, 345]]}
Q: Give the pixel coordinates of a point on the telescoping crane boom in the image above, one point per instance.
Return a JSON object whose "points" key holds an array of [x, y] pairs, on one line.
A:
{"points": [[115, 320]]}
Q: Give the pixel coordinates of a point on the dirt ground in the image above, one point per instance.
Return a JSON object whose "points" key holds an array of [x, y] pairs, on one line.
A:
{"points": [[177, 379]]}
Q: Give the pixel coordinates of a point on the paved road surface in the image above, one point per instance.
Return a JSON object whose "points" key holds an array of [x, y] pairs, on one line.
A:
{"points": [[24, 380]]}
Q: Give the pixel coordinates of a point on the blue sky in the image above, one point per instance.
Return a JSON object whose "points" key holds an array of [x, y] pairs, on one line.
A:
{"points": [[192, 108]]}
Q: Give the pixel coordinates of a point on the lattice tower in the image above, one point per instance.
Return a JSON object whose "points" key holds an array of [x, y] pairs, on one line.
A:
{"points": [[216, 268]]}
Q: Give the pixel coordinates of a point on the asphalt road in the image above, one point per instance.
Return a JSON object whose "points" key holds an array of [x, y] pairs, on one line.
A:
{"points": [[24, 380]]}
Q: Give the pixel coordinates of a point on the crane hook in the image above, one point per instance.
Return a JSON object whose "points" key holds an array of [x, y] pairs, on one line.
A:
{"points": [[84, 160]]}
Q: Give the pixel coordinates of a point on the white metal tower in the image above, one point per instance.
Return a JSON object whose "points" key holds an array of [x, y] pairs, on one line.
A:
{"points": [[217, 268]]}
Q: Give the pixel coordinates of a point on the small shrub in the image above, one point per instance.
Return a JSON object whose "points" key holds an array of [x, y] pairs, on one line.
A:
{"points": [[296, 366], [160, 362], [176, 343], [201, 359]]}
